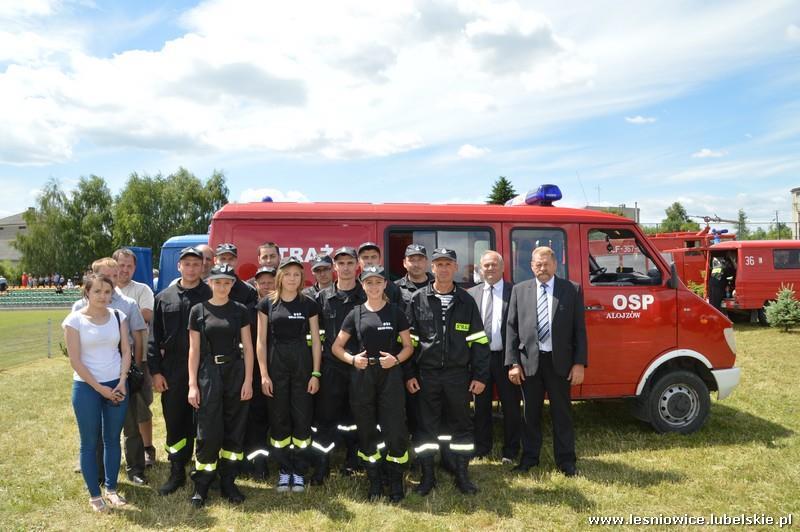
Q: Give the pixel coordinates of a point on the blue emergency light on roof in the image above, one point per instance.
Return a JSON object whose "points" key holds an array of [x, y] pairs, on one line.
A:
{"points": [[716, 233], [266, 199], [545, 195]]}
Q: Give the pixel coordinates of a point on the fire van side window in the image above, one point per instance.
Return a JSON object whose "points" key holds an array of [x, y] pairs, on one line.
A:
{"points": [[617, 258], [524, 241], [786, 259]]}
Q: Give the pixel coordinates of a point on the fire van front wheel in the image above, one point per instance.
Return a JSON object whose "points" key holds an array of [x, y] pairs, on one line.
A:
{"points": [[679, 402]]}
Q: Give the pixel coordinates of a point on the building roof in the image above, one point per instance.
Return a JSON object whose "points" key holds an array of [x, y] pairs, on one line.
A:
{"points": [[14, 219]]}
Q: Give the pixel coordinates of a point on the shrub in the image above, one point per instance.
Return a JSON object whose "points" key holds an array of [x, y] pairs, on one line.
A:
{"points": [[784, 312]]}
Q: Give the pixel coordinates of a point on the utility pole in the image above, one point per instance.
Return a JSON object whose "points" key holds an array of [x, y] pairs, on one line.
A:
{"points": [[778, 225]]}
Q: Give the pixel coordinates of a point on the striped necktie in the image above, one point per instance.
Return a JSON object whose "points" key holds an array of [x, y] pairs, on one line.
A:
{"points": [[543, 316], [487, 317]]}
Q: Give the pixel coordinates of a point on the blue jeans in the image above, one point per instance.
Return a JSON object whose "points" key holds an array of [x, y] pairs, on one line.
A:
{"points": [[97, 415]]}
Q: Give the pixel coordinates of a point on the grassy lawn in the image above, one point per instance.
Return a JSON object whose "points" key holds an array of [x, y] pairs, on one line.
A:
{"points": [[24, 335], [745, 460]]}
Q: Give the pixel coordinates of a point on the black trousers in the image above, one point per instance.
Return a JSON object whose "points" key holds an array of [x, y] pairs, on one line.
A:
{"points": [[257, 430], [510, 397], [178, 413], [558, 391], [222, 416], [444, 392], [290, 366], [132, 438], [377, 397], [333, 417]]}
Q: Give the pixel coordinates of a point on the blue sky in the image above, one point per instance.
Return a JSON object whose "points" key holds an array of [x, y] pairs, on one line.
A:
{"points": [[644, 102]]}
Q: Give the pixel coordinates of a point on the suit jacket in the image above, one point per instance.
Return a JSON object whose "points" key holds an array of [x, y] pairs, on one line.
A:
{"points": [[568, 328], [477, 293]]}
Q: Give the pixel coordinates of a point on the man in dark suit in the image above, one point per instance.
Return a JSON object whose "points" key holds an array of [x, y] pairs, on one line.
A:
{"points": [[492, 297], [546, 349]]}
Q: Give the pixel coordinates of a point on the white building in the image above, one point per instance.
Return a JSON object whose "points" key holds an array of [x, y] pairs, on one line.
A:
{"points": [[796, 213]]}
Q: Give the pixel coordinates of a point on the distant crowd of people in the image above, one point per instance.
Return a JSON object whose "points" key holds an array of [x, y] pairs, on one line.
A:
{"points": [[54, 280]]}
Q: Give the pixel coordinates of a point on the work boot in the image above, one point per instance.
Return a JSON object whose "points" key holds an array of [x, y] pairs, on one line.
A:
{"points": [[428, 481], [260, 469], [396, 488], [322, 470], [375, 484], [350, 464], [463, 483], [448, 460], [202, 481], [176, 480], [227, 481]]}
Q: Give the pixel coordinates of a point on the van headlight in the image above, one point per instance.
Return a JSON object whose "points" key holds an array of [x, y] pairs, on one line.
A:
{"points": [[730, 338]]}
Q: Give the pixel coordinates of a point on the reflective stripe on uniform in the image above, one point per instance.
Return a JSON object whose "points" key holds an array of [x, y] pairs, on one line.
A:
{"points": [[257, 452], [172, 449], [205, 467], [230, 455], [301, 444], [319, 447], [462, 447], [444, 437], [426, 447], [398, 460], [280, 444], [414, 340], [347, 428], [381, 445], [479, 337], [371, 459]]}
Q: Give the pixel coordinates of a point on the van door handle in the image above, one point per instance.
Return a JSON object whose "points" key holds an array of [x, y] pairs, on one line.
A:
{"points": [[594, 307]]}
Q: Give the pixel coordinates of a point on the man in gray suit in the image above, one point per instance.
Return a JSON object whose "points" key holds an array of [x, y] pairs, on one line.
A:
{"points": [[546, 349], [492, 297]]}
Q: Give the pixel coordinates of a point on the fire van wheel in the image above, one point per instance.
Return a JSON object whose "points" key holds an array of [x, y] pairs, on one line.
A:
{"points": [[679, 402]]}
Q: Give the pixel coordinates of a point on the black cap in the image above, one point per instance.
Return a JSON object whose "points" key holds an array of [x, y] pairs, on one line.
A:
{"points": [[321, 261], [191, 251], [227, 248], [288, 261], [416, 249], [371, 271], [265, 269], [368, 245], [444, 253], [222, 271], [345, 250]]}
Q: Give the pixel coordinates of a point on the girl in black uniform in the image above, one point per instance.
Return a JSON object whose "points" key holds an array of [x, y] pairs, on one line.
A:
{"points": [[377, 395], [220, 384], [290, 321]]}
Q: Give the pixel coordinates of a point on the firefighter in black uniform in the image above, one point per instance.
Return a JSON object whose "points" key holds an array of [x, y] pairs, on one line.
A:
{"points": [[369, 254], [332, 413], [220, 385], [322, 270], [167, 360], [377, 396], [451, 362], [417, 275], [289, 323]]}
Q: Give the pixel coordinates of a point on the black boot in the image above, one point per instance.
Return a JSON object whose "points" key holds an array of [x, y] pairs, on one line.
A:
{"points": [[176, 480], [322, 470], [396, 488], [260, 468], [227, 478], [428, 481], [463, 483], [202, 481], [448, 460], [350, 464], [375, 484]]}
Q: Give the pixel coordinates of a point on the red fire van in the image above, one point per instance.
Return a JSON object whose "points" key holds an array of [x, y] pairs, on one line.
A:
{"points": [[650, 338]]}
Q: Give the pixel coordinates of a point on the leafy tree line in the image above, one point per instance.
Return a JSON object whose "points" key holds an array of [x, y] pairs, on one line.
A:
{"points": [[677, 219], [67, 230]]}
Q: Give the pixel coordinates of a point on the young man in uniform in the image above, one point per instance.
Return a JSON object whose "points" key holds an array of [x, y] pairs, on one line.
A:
{"points": [[369, 254], [451, 363], [322, 270], [265, 281], [417, 274], [168, 361], [332, 403]]}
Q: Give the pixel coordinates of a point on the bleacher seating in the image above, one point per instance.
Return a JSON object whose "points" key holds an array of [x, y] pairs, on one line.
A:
{"points": [[38, 298]]}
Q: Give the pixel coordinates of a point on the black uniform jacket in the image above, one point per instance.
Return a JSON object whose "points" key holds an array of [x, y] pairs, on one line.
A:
{"points": [[335, 305]]}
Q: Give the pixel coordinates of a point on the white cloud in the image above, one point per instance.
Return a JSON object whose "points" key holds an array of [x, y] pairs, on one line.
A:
{"points": [[258, 194], [793, 32], [706, 153], [468, 151], [27, 8], [639, 119]]}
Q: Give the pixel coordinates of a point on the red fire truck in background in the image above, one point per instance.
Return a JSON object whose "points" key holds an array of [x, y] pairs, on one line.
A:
{"points": [[650, 338], [688, 249]]}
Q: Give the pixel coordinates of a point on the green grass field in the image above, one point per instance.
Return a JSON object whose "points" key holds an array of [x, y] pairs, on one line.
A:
{"points": [[24, 335], [745, 460]]}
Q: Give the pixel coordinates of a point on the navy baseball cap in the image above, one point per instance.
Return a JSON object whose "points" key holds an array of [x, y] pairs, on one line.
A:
{"points": [[345, 250], [368, 245], [371, 271], [288, 261], [190, 251], [321, 261], [227, 248], [222, 271], [444, 253], [265, 269], [416, 249]]}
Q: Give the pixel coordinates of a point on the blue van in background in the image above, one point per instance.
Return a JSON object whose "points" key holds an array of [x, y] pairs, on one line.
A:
{"points": [[144, 260], [168, 262]]}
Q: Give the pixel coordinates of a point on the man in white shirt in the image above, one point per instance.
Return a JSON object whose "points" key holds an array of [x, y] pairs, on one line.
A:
{"points": [[492, 296]]}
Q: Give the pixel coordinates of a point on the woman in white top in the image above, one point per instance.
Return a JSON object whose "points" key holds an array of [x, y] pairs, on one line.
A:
{"points": [[94, 337]]}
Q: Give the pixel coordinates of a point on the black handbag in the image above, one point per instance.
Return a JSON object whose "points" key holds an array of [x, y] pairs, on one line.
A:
{"points": [[135, 375]]}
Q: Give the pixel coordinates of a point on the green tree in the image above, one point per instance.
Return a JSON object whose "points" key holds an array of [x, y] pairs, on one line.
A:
{"points": [[678, 220], [502, 191], [779, 231], [758, 234], [784, 312], [149, 210], [742, 231]]}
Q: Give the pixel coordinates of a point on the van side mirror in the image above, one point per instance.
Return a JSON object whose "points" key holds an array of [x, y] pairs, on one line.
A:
{"points": [[672, 282]]}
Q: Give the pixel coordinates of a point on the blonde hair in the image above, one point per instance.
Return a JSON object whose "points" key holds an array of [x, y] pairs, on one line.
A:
{"points": [[276, 295], [107, 262]]}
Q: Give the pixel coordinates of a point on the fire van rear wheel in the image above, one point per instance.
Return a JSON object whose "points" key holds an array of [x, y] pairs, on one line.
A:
{"points": [[679, 402]]}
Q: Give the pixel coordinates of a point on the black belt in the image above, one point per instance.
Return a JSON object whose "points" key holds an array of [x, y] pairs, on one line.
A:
{"points": [[545, 352], [224, 359], [373, 360], [497, 352]]}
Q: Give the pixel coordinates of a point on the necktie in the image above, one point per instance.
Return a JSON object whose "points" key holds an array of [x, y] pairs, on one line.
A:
{"points": [[487, 316], [544, 318]]}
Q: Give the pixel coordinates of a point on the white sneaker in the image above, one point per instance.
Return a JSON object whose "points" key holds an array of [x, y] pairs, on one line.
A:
{"points": [[283, 482], [298, 483]]}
